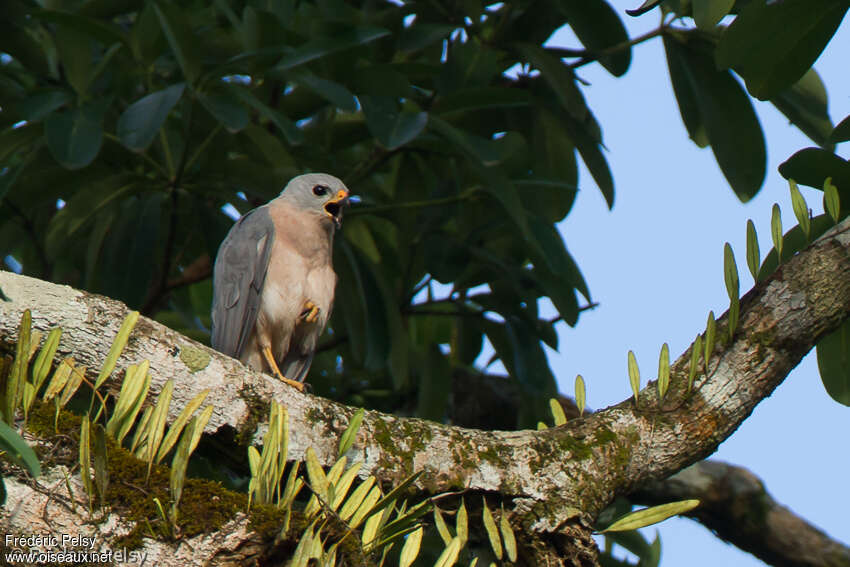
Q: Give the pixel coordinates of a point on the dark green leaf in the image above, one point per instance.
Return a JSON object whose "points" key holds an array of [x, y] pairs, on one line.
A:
{"points": [[21, 45], [707, 13], [96, 196], [140, 122], [554, 151], [75, 51], [560, 77], [74, 137], [773, 44], [422, 35], [41, 103], [17, 139], [17, 450], [811, 166], [101, 472], [594, 159], [293, 134], [479, 98], [686, 95], [841, 133], [548, 199], [434, 385], [105, 33], [805, 105], [146, 37], [479, 148], [318, 48], [183, 43], [729, 120], [523, 356], [380, 80], [555, 254], [331, 91], [834, 363], [370, 296], [469, 64], [643, 8], [392, 126], [227, 109], [130, 258], [598, 28]]}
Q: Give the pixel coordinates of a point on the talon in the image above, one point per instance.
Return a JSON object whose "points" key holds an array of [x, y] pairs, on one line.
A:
{"points": [[267, 353], [310, 312]]}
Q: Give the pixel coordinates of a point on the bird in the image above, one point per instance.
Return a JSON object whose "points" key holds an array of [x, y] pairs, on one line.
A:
{"points": [[273, 279]]}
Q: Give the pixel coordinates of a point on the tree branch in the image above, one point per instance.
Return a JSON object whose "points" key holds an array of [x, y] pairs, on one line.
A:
{"points": [[736, 507], [554, 480]]}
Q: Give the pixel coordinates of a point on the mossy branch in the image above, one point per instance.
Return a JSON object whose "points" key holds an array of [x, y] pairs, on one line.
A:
{"points": [[555, 480]]}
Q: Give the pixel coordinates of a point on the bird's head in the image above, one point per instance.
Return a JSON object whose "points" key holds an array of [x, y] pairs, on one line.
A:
{"points": [[318, 192]]}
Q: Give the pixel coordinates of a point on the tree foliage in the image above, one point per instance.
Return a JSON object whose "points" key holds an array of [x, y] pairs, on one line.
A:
{"points": [[130, 128]]}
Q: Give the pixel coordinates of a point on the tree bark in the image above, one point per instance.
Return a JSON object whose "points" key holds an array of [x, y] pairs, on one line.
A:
{"points": [[553, 481]]}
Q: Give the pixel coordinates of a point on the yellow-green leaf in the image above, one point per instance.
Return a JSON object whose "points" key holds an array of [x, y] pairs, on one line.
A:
{"points": [[753, 253], [734, 312], [410, 549], [73, 384], [315, 474], [141, 434], [59, 378], [156, 426], [634, 375], [356, 499], [344, 483], [649, 516], [831, 201], [580, 394], [442, 528], [449, 555], [801, 209], [365, 508], [730, 272], [117, 346], [710, 330], [508, 536], [462, 523], [179, 423], [350, 433], [663, 371], [491, 529], [45, 357], [557, 412], [85, 457], [776, 230], [695, 353], [370, 529]]}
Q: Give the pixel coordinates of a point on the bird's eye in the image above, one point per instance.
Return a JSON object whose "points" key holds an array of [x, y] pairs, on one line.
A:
{"points": [[320, 190]]}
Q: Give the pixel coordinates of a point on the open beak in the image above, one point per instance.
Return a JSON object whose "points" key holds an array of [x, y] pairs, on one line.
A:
{"points": [[333, 208]]}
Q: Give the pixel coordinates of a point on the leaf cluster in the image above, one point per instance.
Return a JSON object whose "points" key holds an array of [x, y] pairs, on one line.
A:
{"points": [[132, 133]]}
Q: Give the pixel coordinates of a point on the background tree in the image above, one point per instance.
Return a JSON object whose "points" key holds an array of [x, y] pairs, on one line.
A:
{"points": [[145, 120]]}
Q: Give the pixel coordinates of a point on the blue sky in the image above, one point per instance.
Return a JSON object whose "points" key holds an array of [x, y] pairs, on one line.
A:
{"points": [[655, 265]]}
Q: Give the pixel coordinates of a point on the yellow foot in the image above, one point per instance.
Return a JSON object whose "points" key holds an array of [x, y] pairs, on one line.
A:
{"points": [[267, 353], [310, 312]]}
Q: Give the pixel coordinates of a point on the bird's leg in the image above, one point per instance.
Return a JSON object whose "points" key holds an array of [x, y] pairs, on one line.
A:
{"points": [[267, 353], [310, 311]]}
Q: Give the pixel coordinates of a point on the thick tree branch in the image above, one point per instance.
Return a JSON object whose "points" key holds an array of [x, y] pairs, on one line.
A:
{"points": [[736, 507], [557, 479]]}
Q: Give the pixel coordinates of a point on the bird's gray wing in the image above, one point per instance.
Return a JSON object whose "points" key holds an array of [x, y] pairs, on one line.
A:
{"points": [[238, 278]]}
